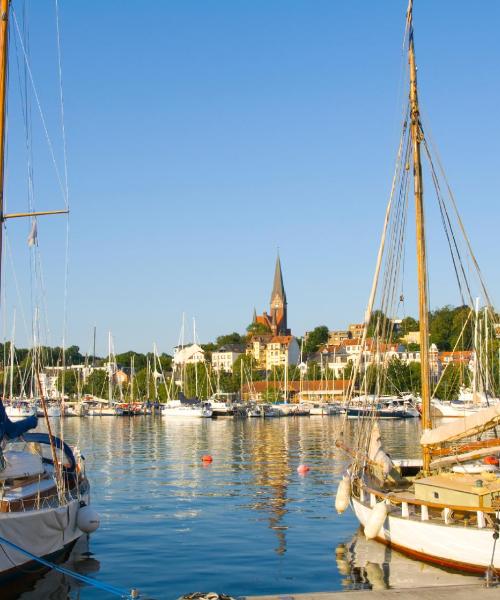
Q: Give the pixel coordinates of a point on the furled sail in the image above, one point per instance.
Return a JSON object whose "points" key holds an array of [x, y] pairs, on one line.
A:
{"points": [[461, 428]]}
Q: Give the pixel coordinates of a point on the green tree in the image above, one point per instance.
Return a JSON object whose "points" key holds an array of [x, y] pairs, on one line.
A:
{"points": [[96, 384], [315, 338], [258, 329], [229, 338]]}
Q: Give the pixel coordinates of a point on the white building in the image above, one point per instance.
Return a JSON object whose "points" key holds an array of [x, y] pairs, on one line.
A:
{"points": [[225, 357], [188, 355], [282, 350]]}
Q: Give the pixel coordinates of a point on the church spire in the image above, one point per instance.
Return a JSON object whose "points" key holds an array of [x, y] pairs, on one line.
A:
{"points": [[278, 287]]}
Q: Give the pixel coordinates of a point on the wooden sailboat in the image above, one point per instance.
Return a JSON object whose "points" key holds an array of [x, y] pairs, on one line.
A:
{"points": [[444, 508], [44, 492]]}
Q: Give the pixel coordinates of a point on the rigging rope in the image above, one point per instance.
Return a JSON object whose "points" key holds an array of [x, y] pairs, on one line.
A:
{"points": [[116, 591]]}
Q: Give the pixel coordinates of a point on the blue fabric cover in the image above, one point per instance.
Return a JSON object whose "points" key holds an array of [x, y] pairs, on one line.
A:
{"points": [[13, 429], [43, 438]]}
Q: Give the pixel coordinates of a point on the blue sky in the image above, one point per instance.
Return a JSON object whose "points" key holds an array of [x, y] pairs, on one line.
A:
{"points": [[202, 136]]}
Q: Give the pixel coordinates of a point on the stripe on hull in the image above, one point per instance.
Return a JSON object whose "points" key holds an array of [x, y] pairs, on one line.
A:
{"points": [[398, 532]]}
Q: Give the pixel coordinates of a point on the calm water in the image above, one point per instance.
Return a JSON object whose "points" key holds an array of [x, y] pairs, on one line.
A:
{"points": [[245, 524]]}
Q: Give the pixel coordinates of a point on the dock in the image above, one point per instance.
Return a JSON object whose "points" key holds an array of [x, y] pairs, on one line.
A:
{"points": [[452, 592]]}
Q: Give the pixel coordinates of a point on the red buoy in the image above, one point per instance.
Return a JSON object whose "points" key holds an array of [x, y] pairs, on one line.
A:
{"points": [[491, 460], [206, 458], [303, 469]]}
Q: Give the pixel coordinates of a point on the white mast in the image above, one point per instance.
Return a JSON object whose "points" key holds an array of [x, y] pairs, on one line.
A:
{"points": [[11, 382], [474, 373], [195, 362], [110, 372]]}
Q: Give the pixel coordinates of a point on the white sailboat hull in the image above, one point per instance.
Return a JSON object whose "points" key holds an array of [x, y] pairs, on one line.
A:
{"points": [[15, 412], [187, 412], [454, 546], [43, 532]]}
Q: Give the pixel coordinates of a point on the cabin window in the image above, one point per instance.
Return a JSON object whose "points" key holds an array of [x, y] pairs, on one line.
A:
{"points": [[436, 494]]}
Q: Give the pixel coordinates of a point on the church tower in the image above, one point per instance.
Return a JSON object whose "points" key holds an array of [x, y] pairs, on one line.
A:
{"points": [[278, 303]]}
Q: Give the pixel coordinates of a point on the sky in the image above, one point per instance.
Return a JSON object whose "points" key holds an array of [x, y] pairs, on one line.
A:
{"points": [[203, 136]]}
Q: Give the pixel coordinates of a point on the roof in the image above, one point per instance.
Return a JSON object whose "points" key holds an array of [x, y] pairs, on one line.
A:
{"points": [[231, 348], [294, 386], [281, 339], [278, 287]]}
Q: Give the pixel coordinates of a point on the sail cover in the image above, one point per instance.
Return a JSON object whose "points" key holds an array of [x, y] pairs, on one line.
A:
{"points": [[13, 429], [461, 428]]}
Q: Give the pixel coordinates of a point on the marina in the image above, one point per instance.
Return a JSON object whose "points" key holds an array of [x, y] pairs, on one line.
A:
{"points": [[167, 432], [247, 524]]}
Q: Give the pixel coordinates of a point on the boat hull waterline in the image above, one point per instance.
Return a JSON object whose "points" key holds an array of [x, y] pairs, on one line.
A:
{"points": [[470, 551]]}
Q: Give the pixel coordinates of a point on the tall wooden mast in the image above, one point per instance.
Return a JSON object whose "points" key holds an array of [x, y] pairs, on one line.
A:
{"points": [[4, 33], [423, 303]]}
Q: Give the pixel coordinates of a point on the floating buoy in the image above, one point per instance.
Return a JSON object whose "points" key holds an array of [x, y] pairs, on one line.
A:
{"points": [[376, 520], [491, 460], [303, 469], [343, 494], [87, 519], [206, 458]]}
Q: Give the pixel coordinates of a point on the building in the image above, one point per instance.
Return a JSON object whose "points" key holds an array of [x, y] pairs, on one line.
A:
{"points": [[337, 337], [356, 330], [282, 350], [188, 355], [305, 391], [412, 337], [276, 320], [225, 357]]}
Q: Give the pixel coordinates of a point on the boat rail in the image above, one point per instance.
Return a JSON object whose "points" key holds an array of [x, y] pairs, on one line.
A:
{"points": [[430, 511], [38, 502]]}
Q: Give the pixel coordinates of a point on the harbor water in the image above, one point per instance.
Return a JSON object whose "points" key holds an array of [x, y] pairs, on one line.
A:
{"points": [[246, 524]]}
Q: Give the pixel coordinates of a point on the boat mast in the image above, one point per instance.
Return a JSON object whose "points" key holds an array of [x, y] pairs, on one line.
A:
{"points": [[4, 34], [423, 307]]}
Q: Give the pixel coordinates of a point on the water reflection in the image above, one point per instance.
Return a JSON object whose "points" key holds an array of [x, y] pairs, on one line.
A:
{"points": [[245, 524], [368, 564], [38, 585]]}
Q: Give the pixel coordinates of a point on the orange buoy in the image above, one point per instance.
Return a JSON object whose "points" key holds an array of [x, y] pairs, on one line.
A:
{"points": [[491, 460], [206, 458], [303, 469]]}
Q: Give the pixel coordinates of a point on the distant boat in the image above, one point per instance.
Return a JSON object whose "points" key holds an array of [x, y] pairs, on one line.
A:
{"points": [[19, 409], [381, 407], [177, 408]]}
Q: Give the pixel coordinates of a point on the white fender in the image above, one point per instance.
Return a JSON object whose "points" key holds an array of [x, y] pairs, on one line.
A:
{"points": [[87, 519], [343, 494], [376, 520]]}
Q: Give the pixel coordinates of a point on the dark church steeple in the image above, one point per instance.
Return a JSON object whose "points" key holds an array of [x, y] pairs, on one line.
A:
{"points": [[276, 320], [278, 302]]}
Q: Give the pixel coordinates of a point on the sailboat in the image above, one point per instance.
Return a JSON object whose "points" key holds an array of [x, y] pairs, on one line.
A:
{"points": [[45, 494], [443, 507]]}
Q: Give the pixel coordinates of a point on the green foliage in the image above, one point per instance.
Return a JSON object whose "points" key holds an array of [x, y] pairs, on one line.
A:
{"points": [[273, 395], [449, 385], [197, 381], [258, 329], [315, 338], [230, 338], [96, 384], [69, 381], [445, 325]]}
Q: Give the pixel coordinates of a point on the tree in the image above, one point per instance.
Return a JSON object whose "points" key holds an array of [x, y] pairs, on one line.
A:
{"points": [[315, 338], [230, 338], [70, 380], [96, 384], [258, 329], [449, 384]]}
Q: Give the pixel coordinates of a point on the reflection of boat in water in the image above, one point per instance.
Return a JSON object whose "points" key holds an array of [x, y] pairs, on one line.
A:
{"points": [[367, 564], [37, 584]]}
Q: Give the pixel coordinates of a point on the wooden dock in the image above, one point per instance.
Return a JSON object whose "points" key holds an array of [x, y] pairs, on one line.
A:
{"points": [[452, 592]]}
